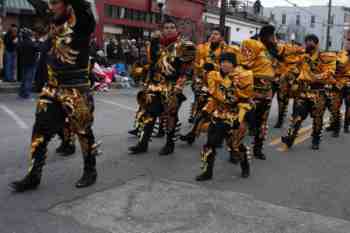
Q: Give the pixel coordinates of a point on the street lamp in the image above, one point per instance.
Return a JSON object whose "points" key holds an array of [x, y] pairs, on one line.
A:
{"points": [[161, 4]]}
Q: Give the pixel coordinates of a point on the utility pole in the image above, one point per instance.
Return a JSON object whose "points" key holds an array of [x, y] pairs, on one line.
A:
{"points": [[328, 37], [223, 17]]}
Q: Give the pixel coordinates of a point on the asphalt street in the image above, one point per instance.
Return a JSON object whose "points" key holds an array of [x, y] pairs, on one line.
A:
{"points": [[293, 191]]}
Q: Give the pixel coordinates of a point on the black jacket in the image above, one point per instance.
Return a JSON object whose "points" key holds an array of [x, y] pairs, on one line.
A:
{"points": [[28, 51], [10, 46]]}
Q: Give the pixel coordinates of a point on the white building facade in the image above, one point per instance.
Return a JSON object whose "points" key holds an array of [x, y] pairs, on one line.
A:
{"points": [[299, 21], [238, 29]]}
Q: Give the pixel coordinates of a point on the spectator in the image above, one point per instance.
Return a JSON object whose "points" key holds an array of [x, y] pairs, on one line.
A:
{"points": [[41, 74], [94, 47], [10, 42], [29, 49], [120, 54], [2, 50], [135, 53], [112, 51], [143, 54], [126, 52]]}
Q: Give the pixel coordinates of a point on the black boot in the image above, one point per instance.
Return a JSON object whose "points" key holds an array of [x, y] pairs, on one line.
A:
{"points": [[161, 133], [189, 138], [142, 146], [30, 182], [208, 159], [168, 148], [329, 128], [257, 149], [245, 166], [66, 149], [346, 129], [278, 124], [90, 174], [288, 140], [292, 134], [233, 157], [259, 154], [315, 143]]}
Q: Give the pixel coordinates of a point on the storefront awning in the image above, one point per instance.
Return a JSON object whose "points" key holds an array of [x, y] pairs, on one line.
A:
{"points": [[18, 6]]}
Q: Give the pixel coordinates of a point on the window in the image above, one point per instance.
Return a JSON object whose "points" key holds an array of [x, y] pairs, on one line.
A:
{"points": [[313, 21], [298, 20], [122, 13], [108, 10], [148, 17], [238, 29], [284, 19], [272, 17], [116, 12]]}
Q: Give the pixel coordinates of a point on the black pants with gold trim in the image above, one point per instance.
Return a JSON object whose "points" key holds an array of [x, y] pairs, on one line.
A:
{"points": [[285, 93], [346, 97], [305, 106], [53, 107], [154, 105], [334, 103], [219, 131], [261, 115]]}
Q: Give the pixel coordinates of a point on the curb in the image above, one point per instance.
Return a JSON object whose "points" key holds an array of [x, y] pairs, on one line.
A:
{"points": [[9, 88]]}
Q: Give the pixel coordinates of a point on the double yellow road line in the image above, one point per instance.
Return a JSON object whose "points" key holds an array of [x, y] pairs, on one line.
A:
{"points": [[304, 134]]}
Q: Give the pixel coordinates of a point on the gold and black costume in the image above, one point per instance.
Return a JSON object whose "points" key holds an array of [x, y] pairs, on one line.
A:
{"points": [[317, 71], [256, 57], [334, 98], [287, 72], [67, 93], [343, 74], [230, 98], [207, 59], [162, 97]]}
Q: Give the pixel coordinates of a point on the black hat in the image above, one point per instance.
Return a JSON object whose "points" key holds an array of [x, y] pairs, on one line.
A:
{"points": [[312, 37], [266, 31], [230, 57]]}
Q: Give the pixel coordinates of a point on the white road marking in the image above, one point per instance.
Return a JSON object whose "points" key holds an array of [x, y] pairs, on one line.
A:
{"points": [[14, 116], [122, 106]]}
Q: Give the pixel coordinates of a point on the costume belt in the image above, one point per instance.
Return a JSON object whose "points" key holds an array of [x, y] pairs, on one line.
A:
{"points": [[78, 78]]}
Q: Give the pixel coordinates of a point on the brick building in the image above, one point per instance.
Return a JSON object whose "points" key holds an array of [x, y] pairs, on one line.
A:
{"points": [[137, 18]]}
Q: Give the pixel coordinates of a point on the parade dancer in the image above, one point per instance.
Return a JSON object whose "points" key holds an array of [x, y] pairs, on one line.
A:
{"points": [[343, 73], [67, 93], [257, 55], [317, 71], [207, 59], [230, 98], [288, 71], [334, 99], [162, 97]]}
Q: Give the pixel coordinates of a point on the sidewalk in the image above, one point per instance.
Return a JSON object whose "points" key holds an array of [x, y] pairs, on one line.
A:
{"points": [[6, 87]]}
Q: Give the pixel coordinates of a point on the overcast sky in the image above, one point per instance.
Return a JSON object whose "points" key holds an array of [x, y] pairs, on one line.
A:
{"points": [[269, 3]]}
